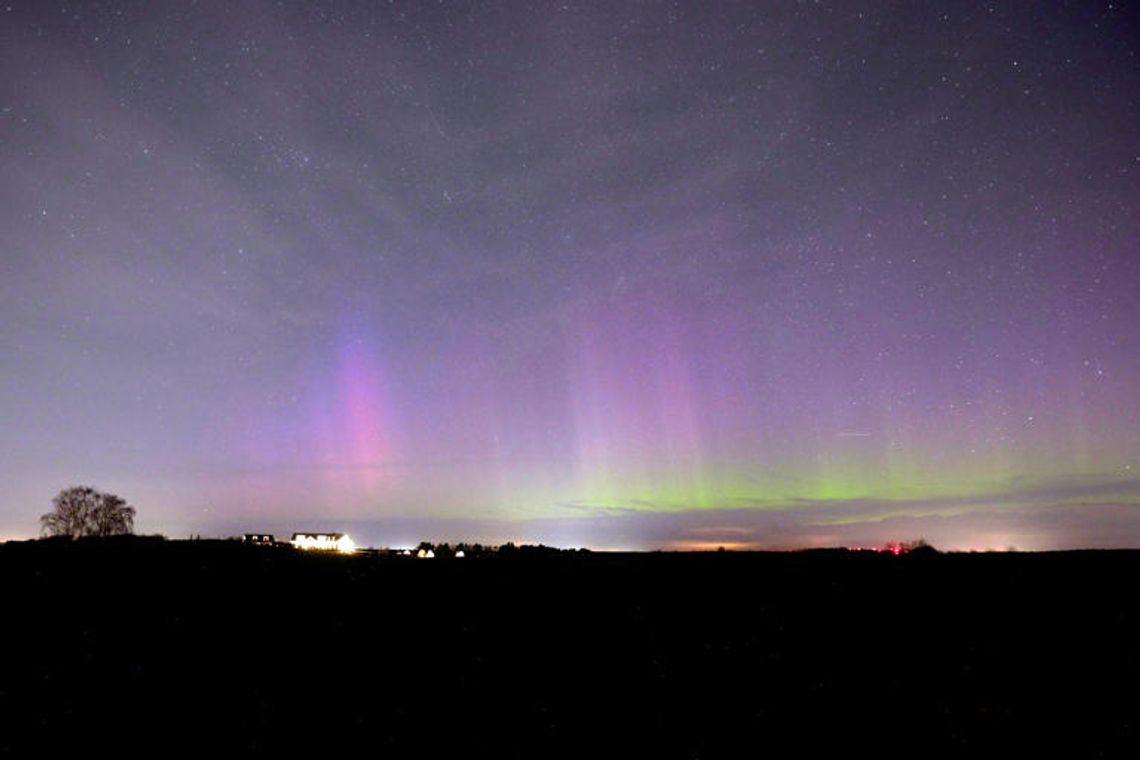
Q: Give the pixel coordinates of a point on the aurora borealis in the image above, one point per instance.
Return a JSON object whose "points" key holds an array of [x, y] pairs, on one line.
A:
{"points": [[615, 275]]}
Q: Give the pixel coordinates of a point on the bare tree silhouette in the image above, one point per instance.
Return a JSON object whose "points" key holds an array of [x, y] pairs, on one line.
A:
{"points": [[85, 511]]}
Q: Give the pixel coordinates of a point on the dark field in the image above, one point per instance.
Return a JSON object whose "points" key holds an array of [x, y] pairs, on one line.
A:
{"points": [[219, 646]]}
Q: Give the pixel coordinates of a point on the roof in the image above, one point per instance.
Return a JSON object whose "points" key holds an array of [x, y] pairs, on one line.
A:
{"points": [[336, 536]]}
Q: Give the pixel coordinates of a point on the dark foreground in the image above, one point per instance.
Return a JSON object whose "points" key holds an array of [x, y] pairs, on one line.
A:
{"points": [[213, 646]]}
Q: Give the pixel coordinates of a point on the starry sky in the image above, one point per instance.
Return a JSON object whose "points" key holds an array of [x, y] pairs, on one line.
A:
{"points": [[617, 275]]}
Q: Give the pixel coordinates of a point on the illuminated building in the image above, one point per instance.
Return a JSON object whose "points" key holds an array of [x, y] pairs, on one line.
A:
{"points": [[329, 542]]}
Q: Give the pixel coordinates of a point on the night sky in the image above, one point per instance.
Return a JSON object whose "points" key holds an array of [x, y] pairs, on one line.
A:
{"points": [[615, 275]]}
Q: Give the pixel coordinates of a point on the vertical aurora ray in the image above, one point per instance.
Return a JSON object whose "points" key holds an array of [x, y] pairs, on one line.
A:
{"points": [[636, 408], [325, 430], [353, 423], [362, 410]]}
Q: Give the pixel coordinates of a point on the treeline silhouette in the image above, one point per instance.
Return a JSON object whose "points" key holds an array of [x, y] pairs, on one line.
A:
{"points": [[81, 511]]}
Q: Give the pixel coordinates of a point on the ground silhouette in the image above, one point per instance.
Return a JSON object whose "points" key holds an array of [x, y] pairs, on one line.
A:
{"points": [[259, 649]]}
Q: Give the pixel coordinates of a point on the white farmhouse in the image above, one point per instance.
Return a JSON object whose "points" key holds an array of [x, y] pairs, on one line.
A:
{"points": [[329, 542]]}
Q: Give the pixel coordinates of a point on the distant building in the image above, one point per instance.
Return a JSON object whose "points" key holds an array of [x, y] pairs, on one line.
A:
{"points": [[329, 542], [262, 539]]}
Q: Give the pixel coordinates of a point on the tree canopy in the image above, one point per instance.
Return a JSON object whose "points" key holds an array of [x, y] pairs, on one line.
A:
{"points": [[85, 511]]}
